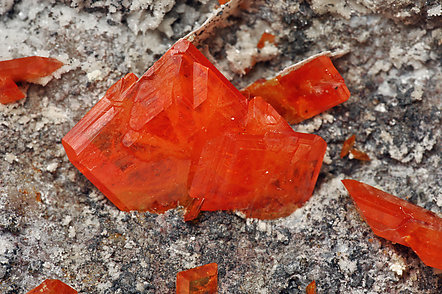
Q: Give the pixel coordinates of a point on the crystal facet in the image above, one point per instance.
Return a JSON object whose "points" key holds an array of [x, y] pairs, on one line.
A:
{"points": [[399, 221], [27, 69], [267, 170], [184, 128], [303, 92], [51, 286], [199, 280]]}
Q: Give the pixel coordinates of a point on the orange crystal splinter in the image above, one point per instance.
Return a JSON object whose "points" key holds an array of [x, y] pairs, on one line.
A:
{"points": [[399, 221], [348, 145], [151, 142], [360, 155], [199, 280], [311, 288], [52, 286], [27, 69], [303, 90]]}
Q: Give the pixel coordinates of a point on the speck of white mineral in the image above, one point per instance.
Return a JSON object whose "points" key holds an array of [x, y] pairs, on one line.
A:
{"points": [[9, 157], [435, 10]]}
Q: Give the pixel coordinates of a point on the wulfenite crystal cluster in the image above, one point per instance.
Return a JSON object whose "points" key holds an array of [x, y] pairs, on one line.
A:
{"points": [[182, 134]]}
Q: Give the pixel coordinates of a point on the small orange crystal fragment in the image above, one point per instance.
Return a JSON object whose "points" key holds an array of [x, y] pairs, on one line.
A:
{"points": [[27, 69], [304, 91], [199, 280], [360, 155], [266, 37], [51, 286], [399, 221], [348, 145], [311, 288]]}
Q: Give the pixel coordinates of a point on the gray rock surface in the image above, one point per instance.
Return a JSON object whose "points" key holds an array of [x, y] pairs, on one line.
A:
{"points": [[55, 224]]}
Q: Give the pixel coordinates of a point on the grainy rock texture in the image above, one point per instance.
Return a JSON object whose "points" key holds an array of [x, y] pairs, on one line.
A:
{"points": [[55, 224]]}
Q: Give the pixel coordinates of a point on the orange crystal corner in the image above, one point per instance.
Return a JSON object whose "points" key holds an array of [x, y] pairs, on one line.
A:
{"points": [[311, 288], [52, 286], [199, 280], [399, 221], [304, 91]]}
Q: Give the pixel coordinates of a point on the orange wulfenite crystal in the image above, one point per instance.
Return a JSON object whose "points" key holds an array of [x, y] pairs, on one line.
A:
{"points": [[303, 91], [50, 286], [149, 142], [399, 221], [266, 37], [311, 288], [359, 155], [27, 69], [199, 280], [266, 171], [348, 145]]}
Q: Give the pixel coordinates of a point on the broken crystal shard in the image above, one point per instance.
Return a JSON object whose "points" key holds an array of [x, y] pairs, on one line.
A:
{"points": [[27, 69], [399, 221], [199, 280], [51, 286], [303, 91], [265, 171], [151, 142], [348, 145]]}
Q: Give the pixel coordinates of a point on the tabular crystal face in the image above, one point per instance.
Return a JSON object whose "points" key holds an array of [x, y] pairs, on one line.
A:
{"points": [[184, 128], [303, 92], [267, 170], [399, 221], [199, 280], [50, 286]]}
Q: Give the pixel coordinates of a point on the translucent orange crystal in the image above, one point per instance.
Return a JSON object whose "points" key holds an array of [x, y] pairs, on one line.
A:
{"points": [[50, 286], [199, 280], [27, 69], [360, 155], [348, 145], [304, 91], [399, 221], [183, 127], [266, 171]]}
